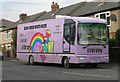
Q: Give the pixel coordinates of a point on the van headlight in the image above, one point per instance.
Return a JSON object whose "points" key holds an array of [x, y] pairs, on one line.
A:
{"points": [[81, 58], [106, 57]]}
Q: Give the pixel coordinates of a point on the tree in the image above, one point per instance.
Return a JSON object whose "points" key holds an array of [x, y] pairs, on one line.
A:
{"points": [[112, 42], [14, 38], [117, 35]]}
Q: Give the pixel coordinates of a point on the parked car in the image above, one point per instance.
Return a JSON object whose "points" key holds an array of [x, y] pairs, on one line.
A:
{"points": [[1, 55]]}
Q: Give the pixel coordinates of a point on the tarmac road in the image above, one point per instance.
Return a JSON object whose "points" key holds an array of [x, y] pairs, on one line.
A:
{"points": [[18, 70]]}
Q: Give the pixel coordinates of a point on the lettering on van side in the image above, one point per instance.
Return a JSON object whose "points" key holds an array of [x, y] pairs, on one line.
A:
{"points": [[23, 40], [57, 30], [35, 27], [26, 47]]}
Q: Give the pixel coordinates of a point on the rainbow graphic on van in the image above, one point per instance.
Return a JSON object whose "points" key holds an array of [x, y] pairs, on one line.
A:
{"points": [[37, 40], [41, 43]]}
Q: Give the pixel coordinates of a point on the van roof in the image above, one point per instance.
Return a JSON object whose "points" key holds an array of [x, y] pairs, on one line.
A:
{"points": [[85, 19]]}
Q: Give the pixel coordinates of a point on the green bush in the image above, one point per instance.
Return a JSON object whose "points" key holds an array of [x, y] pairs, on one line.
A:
{"points": [[4, 50], [117, 35], [114, 49], [112, 42]]}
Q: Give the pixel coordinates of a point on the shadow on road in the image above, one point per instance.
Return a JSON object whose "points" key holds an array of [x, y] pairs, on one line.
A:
{"points": [[73, 66]]}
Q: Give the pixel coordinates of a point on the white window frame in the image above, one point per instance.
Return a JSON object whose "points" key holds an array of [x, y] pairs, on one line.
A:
{"points": [[7, 35], [107, 14]]}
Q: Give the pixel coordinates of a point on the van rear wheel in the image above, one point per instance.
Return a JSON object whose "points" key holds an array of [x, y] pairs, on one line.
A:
{"points": [[66, 63], [31, 60]]}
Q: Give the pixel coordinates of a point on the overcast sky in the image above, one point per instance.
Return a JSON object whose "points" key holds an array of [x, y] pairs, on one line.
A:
{"points": [[12, 8]]}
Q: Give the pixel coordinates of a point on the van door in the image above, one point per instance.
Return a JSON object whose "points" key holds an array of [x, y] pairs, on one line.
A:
{"points": [[66, 40], [69, 35]]}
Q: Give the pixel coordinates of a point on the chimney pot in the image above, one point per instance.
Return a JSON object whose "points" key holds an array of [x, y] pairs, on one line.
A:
{"points": [[54, 7], [53, 3]]}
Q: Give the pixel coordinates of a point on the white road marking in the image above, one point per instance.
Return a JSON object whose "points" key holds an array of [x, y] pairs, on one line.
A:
{"points": [[86, 74], [102, 70]]}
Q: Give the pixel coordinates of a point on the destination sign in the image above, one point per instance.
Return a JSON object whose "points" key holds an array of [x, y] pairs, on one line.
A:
{"points": [[35, 27]]}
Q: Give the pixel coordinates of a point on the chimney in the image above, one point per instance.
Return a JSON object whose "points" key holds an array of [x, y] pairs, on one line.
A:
{"points": [[22, 16], [54, 7]]}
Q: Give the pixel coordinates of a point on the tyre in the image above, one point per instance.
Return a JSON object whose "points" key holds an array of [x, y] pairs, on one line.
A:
{"points": [[31, 60], [66, 63]]}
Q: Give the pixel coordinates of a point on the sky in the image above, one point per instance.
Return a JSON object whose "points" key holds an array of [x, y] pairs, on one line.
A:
{"points": [[12, 8]]}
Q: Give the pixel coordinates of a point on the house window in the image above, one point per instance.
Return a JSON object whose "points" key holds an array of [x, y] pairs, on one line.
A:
{"points": [[7, 35], [104, 15]]}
